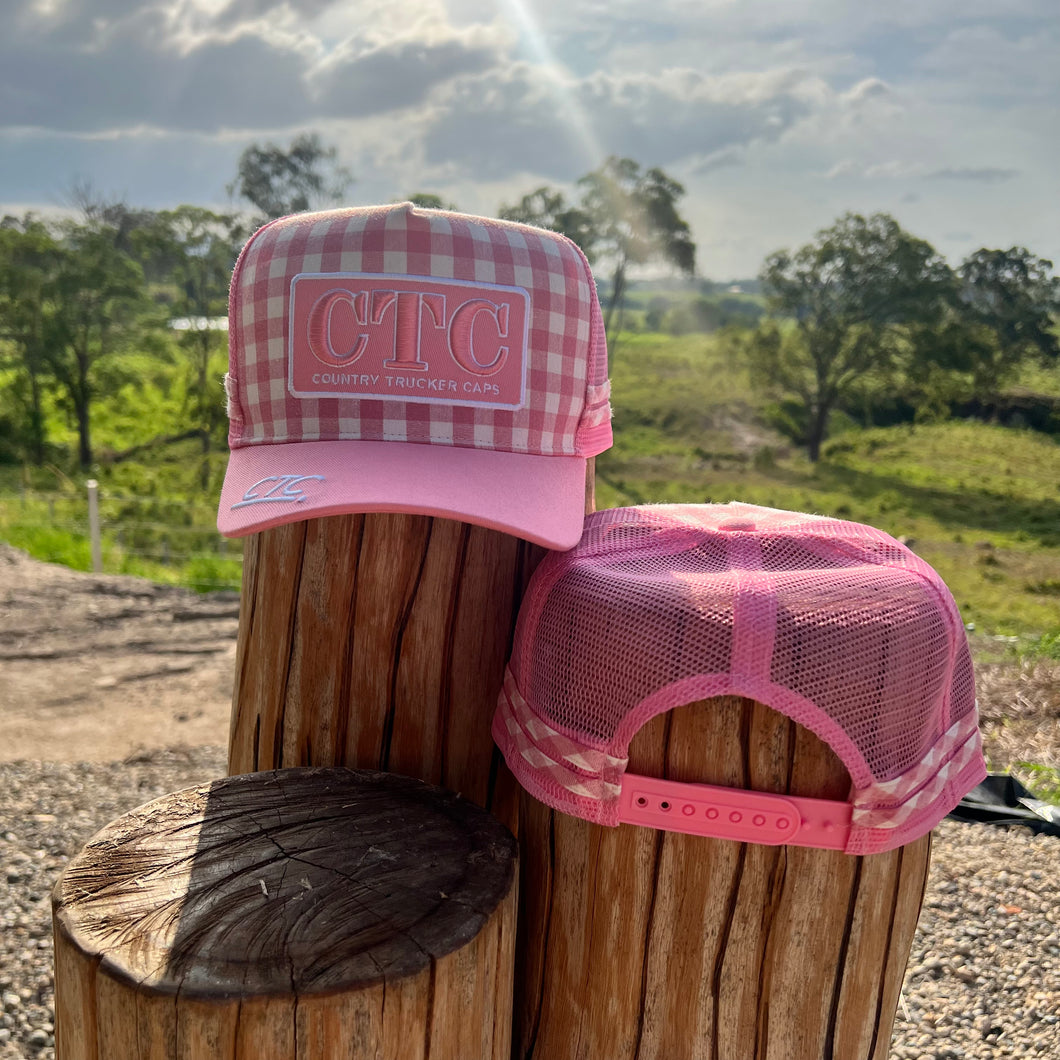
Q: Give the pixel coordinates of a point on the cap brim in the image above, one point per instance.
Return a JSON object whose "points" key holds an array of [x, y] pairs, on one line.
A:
{"points": [[539, 498]]}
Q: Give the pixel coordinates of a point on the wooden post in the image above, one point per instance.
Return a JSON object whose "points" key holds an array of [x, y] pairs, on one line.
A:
{"points": [[379, 642], [644, 945], [95, 546], [320, 913]]}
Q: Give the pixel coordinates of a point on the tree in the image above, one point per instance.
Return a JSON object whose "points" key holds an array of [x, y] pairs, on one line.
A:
{"points": [[547, 207], [304, 177], [97, 290], [1007, 302], [198, 249], [633, 219], [28, 259], [624, 218], [115, 216], [863, 295]]}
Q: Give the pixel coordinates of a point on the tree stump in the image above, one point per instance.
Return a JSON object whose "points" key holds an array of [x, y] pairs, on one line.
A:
{"points": [[324, 913], [644, 945]]}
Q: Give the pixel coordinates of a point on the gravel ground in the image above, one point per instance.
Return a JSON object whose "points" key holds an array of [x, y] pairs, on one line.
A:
{"points": [[983, 979]]}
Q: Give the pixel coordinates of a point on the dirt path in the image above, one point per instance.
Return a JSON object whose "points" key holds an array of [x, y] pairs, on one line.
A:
{"points": [[102, 667]]}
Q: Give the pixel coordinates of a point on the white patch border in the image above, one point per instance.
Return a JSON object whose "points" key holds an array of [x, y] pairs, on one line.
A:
{"points": [[411, 400]]}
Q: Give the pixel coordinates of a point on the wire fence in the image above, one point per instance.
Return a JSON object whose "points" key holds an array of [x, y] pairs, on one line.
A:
{"points": [[169, 539]]}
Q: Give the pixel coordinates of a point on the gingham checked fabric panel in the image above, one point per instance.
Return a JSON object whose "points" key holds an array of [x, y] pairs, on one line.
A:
{"points": [[566, 412]]}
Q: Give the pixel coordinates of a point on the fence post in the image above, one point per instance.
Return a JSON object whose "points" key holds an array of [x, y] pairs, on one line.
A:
{"points": [[93, 526]]}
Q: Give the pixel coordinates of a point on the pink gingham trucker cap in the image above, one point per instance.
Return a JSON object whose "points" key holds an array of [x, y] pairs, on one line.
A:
{"points": [[834, 624], [395, 359]]}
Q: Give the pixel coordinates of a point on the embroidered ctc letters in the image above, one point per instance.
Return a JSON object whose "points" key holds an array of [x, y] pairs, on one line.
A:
{"points": [[407, 338], [277, 489]]}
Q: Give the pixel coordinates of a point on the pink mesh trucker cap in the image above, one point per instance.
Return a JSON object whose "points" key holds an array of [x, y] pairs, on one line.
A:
{"points": [[834, 624], [393, 359]]}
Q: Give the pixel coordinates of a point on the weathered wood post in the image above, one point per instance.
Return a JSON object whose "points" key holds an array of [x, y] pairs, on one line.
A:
{"points": [[639, 944], [737, 926], [324, 913], [377, 641]]}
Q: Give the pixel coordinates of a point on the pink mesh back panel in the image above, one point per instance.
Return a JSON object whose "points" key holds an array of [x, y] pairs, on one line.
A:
{"points": [[835, 624]]}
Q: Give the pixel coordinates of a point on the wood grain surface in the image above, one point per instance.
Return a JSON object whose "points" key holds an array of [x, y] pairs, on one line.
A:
{"points": [[378, 642], [644, 945], [294, 913]]}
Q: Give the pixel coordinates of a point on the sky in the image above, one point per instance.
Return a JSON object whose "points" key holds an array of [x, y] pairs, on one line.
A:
{"points": [[776, 115]]}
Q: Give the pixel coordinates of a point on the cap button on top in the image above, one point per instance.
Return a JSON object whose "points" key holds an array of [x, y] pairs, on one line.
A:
{"points": [[737, 524]]}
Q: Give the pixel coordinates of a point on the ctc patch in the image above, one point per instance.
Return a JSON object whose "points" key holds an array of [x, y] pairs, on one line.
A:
{"points": [[408, 338]]}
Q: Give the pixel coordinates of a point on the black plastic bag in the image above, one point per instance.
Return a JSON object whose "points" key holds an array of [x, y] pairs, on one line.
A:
{"points": [[1002, 799]]}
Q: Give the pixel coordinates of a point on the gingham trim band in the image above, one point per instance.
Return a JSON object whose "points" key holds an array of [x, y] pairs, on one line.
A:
{"points": [[587, 782]]}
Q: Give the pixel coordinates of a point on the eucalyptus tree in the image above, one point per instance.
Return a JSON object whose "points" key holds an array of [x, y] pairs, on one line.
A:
{"points": [[547, 207], [1008, 300], [429, 200], [195, 248], [863, 296], [98, 293], [633, 219], [276, 181]]}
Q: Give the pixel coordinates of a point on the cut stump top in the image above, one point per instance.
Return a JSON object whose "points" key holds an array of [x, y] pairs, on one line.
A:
{"points": [[290, 881]]}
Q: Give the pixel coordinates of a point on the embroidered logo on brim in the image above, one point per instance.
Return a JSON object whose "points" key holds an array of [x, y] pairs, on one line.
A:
{"points": [[408, 338], [277, 489]]}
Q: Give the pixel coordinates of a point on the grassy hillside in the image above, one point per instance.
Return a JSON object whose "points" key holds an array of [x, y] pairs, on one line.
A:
{"points": [[980, 503]]}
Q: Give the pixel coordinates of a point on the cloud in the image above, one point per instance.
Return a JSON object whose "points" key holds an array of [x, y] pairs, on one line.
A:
{"points": [[869, 88], [723, 159], [526, 119], [981, 174], [145, 65], [897, 169], [399, 74], [893, 169], [135, 77], [240, 11]]}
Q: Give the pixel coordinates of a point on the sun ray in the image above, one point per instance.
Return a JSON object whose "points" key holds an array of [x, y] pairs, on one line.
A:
{"points": [[569, 108]]}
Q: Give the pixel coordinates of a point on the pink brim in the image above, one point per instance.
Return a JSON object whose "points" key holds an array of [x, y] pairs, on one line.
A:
{"points": [[539, 498]]}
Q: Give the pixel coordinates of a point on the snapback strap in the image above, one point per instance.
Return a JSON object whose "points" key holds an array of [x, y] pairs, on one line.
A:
{"points": [[729, 813]]}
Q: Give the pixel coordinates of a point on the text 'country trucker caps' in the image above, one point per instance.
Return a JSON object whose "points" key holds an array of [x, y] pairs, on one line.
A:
{"points": [[834, 624], [393, 359]]}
